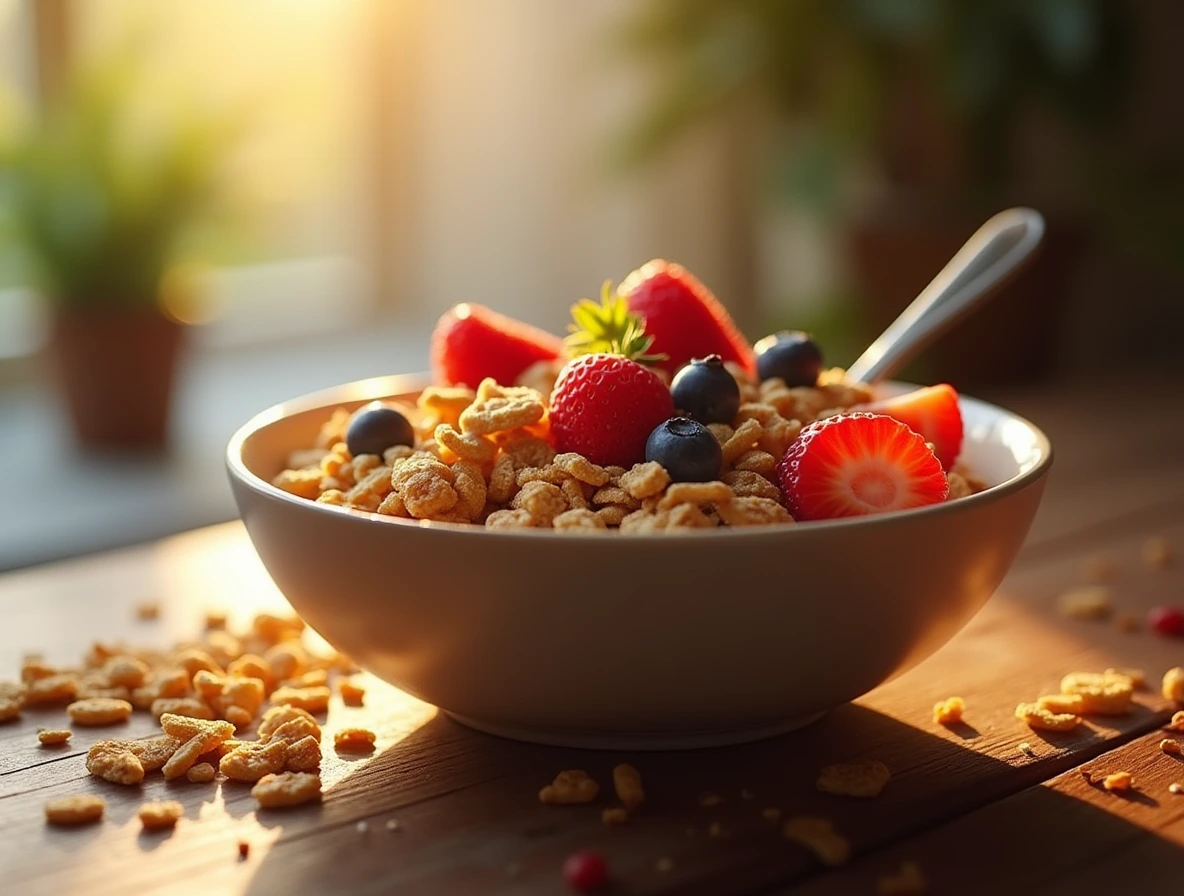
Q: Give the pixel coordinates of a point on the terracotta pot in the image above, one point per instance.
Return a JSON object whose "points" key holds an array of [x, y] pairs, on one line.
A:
{"points": [[1014, 338], [117, 367]]}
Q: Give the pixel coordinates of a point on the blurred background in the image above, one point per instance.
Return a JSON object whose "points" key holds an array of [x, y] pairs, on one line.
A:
{"points": [[207, 206]]}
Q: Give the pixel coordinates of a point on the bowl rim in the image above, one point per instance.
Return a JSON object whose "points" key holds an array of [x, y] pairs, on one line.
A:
{"points": [[376, 388]]}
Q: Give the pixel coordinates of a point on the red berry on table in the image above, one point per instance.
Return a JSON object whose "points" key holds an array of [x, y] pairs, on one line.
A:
{"points": [[585, 871], [471, 342], [859, 464], [932, 413], [1167, 621], [684, 318]]}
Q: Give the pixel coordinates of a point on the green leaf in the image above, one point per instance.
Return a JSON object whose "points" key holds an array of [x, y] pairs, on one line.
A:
{"points": [[609, 328]]}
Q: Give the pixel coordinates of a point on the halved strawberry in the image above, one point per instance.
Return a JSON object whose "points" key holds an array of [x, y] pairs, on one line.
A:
{"points": [[471, 342], [684, 317], [932, 413], [858, 464]]}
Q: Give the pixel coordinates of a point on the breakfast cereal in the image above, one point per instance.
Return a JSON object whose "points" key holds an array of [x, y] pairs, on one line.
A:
{"points": [[1102, 693], [78, 809], [570, 787], [858, 779], [949, 711], [1173, 684], [354, 740], [627, 784], [287, 789], [160, 816], [819, 836], [1036, 716], [1118, 781]]}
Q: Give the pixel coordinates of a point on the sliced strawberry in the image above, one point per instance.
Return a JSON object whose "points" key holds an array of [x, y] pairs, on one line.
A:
{"points": [[683, 316], [932, 413], [471, 342], [858, 464]]}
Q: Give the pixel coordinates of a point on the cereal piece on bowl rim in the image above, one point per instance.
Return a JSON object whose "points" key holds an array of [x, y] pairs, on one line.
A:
{"points": [[1103, 694], [570, 787], [819, 836], [949, 711], [354, 740], [863, 779], [76, 809], [305, 483], [510, 519], [1173, 685], [287, 789], [1085, 602], [99, 711], [686, 516], [1036, 716], [160, 816], [645, 480]]}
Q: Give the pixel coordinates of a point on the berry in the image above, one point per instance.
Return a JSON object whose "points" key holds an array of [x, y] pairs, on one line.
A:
{"points": [[687, 449], [471, 342], [375, 429], [605, 406], [791, 355], [706, 391], [585, 871], [684, 318], [859, 464], [931, 413], [1167, 621]]}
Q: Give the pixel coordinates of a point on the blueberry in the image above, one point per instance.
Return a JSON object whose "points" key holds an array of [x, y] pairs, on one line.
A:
{"points": [[791, 355], [376, 429], [686, 448], [705, 390]]}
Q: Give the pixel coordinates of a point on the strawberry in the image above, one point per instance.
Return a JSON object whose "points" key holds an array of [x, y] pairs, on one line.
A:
{"points": [[932, 413], [605, 404], [684, 318], [471, 342], [858, 464]]}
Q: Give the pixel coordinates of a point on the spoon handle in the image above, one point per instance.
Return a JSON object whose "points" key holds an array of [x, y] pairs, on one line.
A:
{"points": [[995, 251]]}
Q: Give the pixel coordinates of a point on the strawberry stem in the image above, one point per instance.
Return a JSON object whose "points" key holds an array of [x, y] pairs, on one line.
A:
{"points": [[609, 328]]}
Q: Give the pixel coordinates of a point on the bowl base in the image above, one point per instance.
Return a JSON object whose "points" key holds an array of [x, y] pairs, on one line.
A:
{"points": [[640, 740]]}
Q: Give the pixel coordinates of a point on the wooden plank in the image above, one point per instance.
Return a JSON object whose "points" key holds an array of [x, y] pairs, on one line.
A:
{"points": [[1066, 836]]}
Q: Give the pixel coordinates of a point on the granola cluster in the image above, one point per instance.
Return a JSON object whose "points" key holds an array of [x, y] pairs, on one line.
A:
{"points": [[484, 457]]}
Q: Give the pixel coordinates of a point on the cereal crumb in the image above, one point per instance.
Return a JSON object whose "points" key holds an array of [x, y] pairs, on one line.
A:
{"points": [[352, 693], [771, 814], [664, 865], [80, 808], [858, 779], [716, 831], [708, 800], [1177, 722], [570, 787], [614, 815], [1118, 781], [392, 824], [1036, 716], [159, 816], [362, 827], [148, 610], [354, 740], [1026, 749], [202, 773], [99, 711], [1171, 746], [1176, 788], [819, 836], [627, 784], [244, 849], [1173, 685], [287, 789], [1157, 552], [52, 737], [908, 881], [1085, 602], [949, 711]]}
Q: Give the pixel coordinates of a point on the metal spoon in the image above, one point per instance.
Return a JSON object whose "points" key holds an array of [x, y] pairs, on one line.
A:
{"points": [[994, 253]]}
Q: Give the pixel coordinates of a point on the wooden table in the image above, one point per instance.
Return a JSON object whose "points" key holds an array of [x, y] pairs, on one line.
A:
{"points": [[975, 812]]}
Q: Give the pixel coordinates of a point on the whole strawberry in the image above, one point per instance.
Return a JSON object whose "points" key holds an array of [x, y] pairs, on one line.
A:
{"points": [[605, 404], [471, 343], [683, 316]]}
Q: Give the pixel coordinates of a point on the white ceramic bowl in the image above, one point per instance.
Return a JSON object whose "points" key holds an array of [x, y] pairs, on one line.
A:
{"points": [[638, 641]]}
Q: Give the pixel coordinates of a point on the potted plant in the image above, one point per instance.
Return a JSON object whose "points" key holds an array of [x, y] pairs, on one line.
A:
{"points": [[99, 198], [905, 125]]}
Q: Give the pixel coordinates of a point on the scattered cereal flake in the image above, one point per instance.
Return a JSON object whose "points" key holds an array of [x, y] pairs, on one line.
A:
{"points": [[186, 756], [819, 836], [99, 711], [153, 752], [1085, 602], [126, 671], [645, 480], [287, 789], [949, 711], [113, 761], [1098, 569], [310, 699], [627, 784], [717, 831], [772, 813], [202, 773], [1118, 781], [858, 779], [509, 519], [148, 610], [185, 727], [159, 816], [1173, 685], [908, 881], [664, 865], [1036, 716], [1176, 788], [1157, 552], [304, 755], [1104, 694], [1171, 745], [1177, 722], [54, 736], [51, 689], [278, 716], [1062, 703], [570, 787], [80, 808], [252, 761], [710, 800], [614, 815], [189, 707], [354, 740]]}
